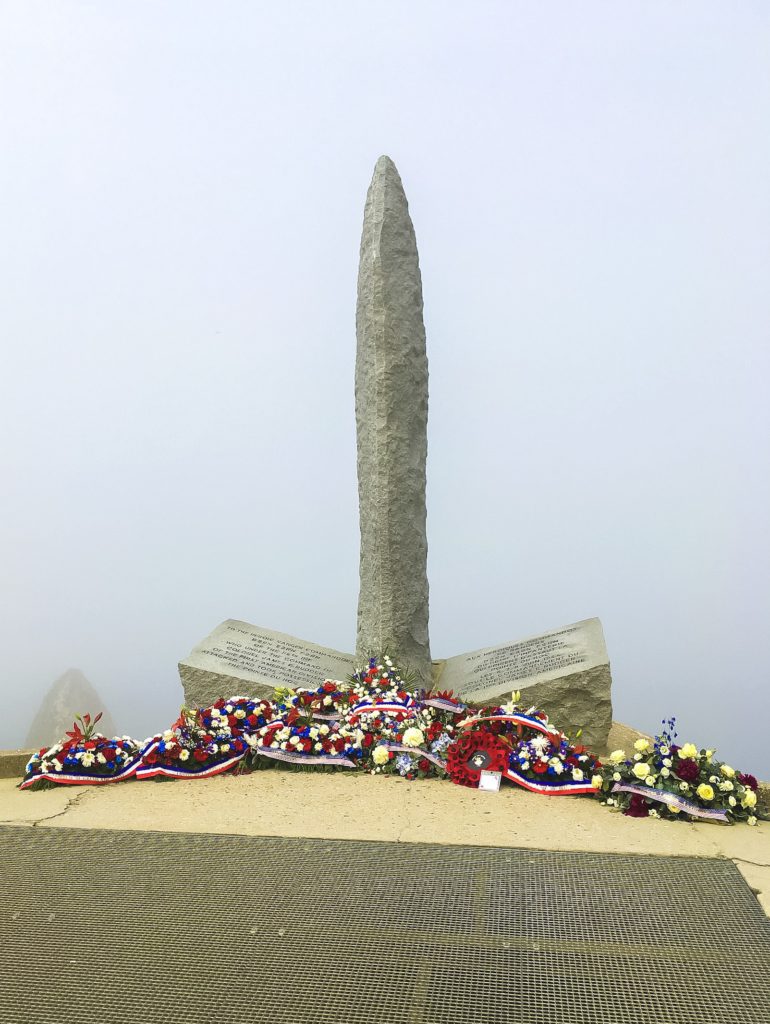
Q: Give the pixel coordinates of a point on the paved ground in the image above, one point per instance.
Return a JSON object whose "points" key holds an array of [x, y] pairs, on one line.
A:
{"points": [[338, 806]]}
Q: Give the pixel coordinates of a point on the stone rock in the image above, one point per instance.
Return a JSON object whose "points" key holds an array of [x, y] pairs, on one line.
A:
{"points": [[70, 695], [238, 658], [565, 672], [391, 418]]}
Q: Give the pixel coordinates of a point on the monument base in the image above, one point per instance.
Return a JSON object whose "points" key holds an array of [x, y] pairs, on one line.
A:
{"points": [[565, 672]]}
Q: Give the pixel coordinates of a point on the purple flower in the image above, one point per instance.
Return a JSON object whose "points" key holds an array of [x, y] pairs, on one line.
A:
{"points": [[748, 780], [688, 770], [637, 808]]}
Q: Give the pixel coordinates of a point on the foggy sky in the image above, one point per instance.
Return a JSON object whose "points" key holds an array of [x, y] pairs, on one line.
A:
{"points": [[181, 197]]}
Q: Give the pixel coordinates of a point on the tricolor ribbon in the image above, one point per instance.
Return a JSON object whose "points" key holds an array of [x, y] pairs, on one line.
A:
{"points": [[294, 757], [84, 779], [549, 788], [417, 751], [529, 721], [402, 708], [150, 771], [444, 704], [672, 800]]}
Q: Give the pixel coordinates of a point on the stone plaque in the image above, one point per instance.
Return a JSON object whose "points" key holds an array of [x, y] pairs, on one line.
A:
{"points": [[238, 658], [566, 672]]}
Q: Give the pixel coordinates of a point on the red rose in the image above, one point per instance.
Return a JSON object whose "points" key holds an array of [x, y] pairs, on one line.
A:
{"points": [[151, 758], [90, 745], [109, 753], [252, 720], [368, 739], [200, 755], [540, 767], [423, 764], [329, 687]]}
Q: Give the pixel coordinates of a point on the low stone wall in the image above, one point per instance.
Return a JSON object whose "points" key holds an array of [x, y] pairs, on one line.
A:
{"points": [[13, 763]]}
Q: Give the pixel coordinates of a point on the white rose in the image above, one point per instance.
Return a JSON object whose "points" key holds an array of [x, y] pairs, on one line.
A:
{"points": [[414, 737], [577, 775], [617, 776], [596, 782], [617, 756], [731, 801], [324, 730], [751, 820], [642, 744], [665, 772], [641, 770]]}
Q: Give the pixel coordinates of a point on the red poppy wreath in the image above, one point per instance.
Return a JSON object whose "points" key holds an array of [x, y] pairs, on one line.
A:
{"points": [[474, 753]]}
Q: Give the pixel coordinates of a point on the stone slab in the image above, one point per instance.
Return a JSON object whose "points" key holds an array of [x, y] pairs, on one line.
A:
{"points": [[566, 672], [238, 658]]}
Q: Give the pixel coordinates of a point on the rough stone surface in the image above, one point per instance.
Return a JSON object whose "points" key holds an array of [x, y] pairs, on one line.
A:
{"points": [[565, 672], [13, 762], [238, 658], [70, 695], [391, 419]]}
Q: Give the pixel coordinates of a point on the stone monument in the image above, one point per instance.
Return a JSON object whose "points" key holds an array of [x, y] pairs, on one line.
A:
{"points": [[70, 695], [392, 429], [566, 672]]}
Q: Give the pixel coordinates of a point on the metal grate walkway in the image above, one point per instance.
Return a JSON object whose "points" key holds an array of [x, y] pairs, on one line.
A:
{"points": [[106, 927]]}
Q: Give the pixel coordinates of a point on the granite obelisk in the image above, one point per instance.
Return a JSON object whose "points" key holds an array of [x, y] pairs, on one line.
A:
{"points": [[391, 386]]}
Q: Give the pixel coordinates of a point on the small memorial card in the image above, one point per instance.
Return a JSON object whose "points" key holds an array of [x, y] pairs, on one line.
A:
{"points": [[490, 781]]}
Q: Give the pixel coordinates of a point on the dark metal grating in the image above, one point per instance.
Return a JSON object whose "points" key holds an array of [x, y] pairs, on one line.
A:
{"points": [[153, 927]]}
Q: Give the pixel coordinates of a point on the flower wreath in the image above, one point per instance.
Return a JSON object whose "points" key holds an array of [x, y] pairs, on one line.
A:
{"points": [[475, 752]]}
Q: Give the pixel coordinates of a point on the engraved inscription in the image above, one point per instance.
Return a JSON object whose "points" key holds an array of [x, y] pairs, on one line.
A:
{"points": [[523, 660], [283, 660]]}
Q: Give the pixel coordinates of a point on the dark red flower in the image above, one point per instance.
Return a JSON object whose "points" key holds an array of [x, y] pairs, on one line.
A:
{"points": [[200, 755], [541, 767], [151, 758], [329, 687], [687, 770], [109, 753], [423, 764], [747, 780], [638, 807], [367, 740]]}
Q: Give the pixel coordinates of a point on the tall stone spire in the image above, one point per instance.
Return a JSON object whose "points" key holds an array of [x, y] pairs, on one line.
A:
{"points": [[392, 431], [70, 695]]}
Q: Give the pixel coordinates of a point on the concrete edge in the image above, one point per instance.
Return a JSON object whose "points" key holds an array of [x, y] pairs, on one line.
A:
{"points": [[13, 763]]}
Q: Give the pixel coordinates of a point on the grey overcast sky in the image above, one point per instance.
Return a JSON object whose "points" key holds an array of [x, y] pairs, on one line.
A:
{"points": [[181, 196]]}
